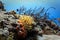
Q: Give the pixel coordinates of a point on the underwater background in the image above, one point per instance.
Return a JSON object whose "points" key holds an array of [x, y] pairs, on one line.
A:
{"points": [[15, 4]]}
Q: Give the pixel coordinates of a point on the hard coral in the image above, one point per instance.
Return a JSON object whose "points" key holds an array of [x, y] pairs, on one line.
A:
{"points": [[26, 20]]}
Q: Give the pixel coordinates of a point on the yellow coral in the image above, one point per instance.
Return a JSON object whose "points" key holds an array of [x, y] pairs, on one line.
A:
{"points": [[26, 20]]}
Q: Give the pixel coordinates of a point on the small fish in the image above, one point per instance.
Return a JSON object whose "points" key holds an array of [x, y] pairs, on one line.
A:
{"points": [[58, 19]]}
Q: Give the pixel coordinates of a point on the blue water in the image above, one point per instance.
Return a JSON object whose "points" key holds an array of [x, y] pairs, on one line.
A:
{"points": [[15, 4]]}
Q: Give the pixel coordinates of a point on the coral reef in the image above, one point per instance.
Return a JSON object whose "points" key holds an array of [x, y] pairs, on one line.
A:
{"points": [[26, 26]]}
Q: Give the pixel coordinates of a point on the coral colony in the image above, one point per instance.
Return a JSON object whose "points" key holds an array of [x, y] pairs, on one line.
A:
{"points": [[27, 24]]}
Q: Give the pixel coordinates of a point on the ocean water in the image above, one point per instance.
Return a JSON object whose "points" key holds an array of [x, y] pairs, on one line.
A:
{"points": [[15, 4]]}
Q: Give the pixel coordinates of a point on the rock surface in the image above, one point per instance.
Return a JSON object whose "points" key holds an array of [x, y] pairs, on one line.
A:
{"points": [[49, 37]]}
